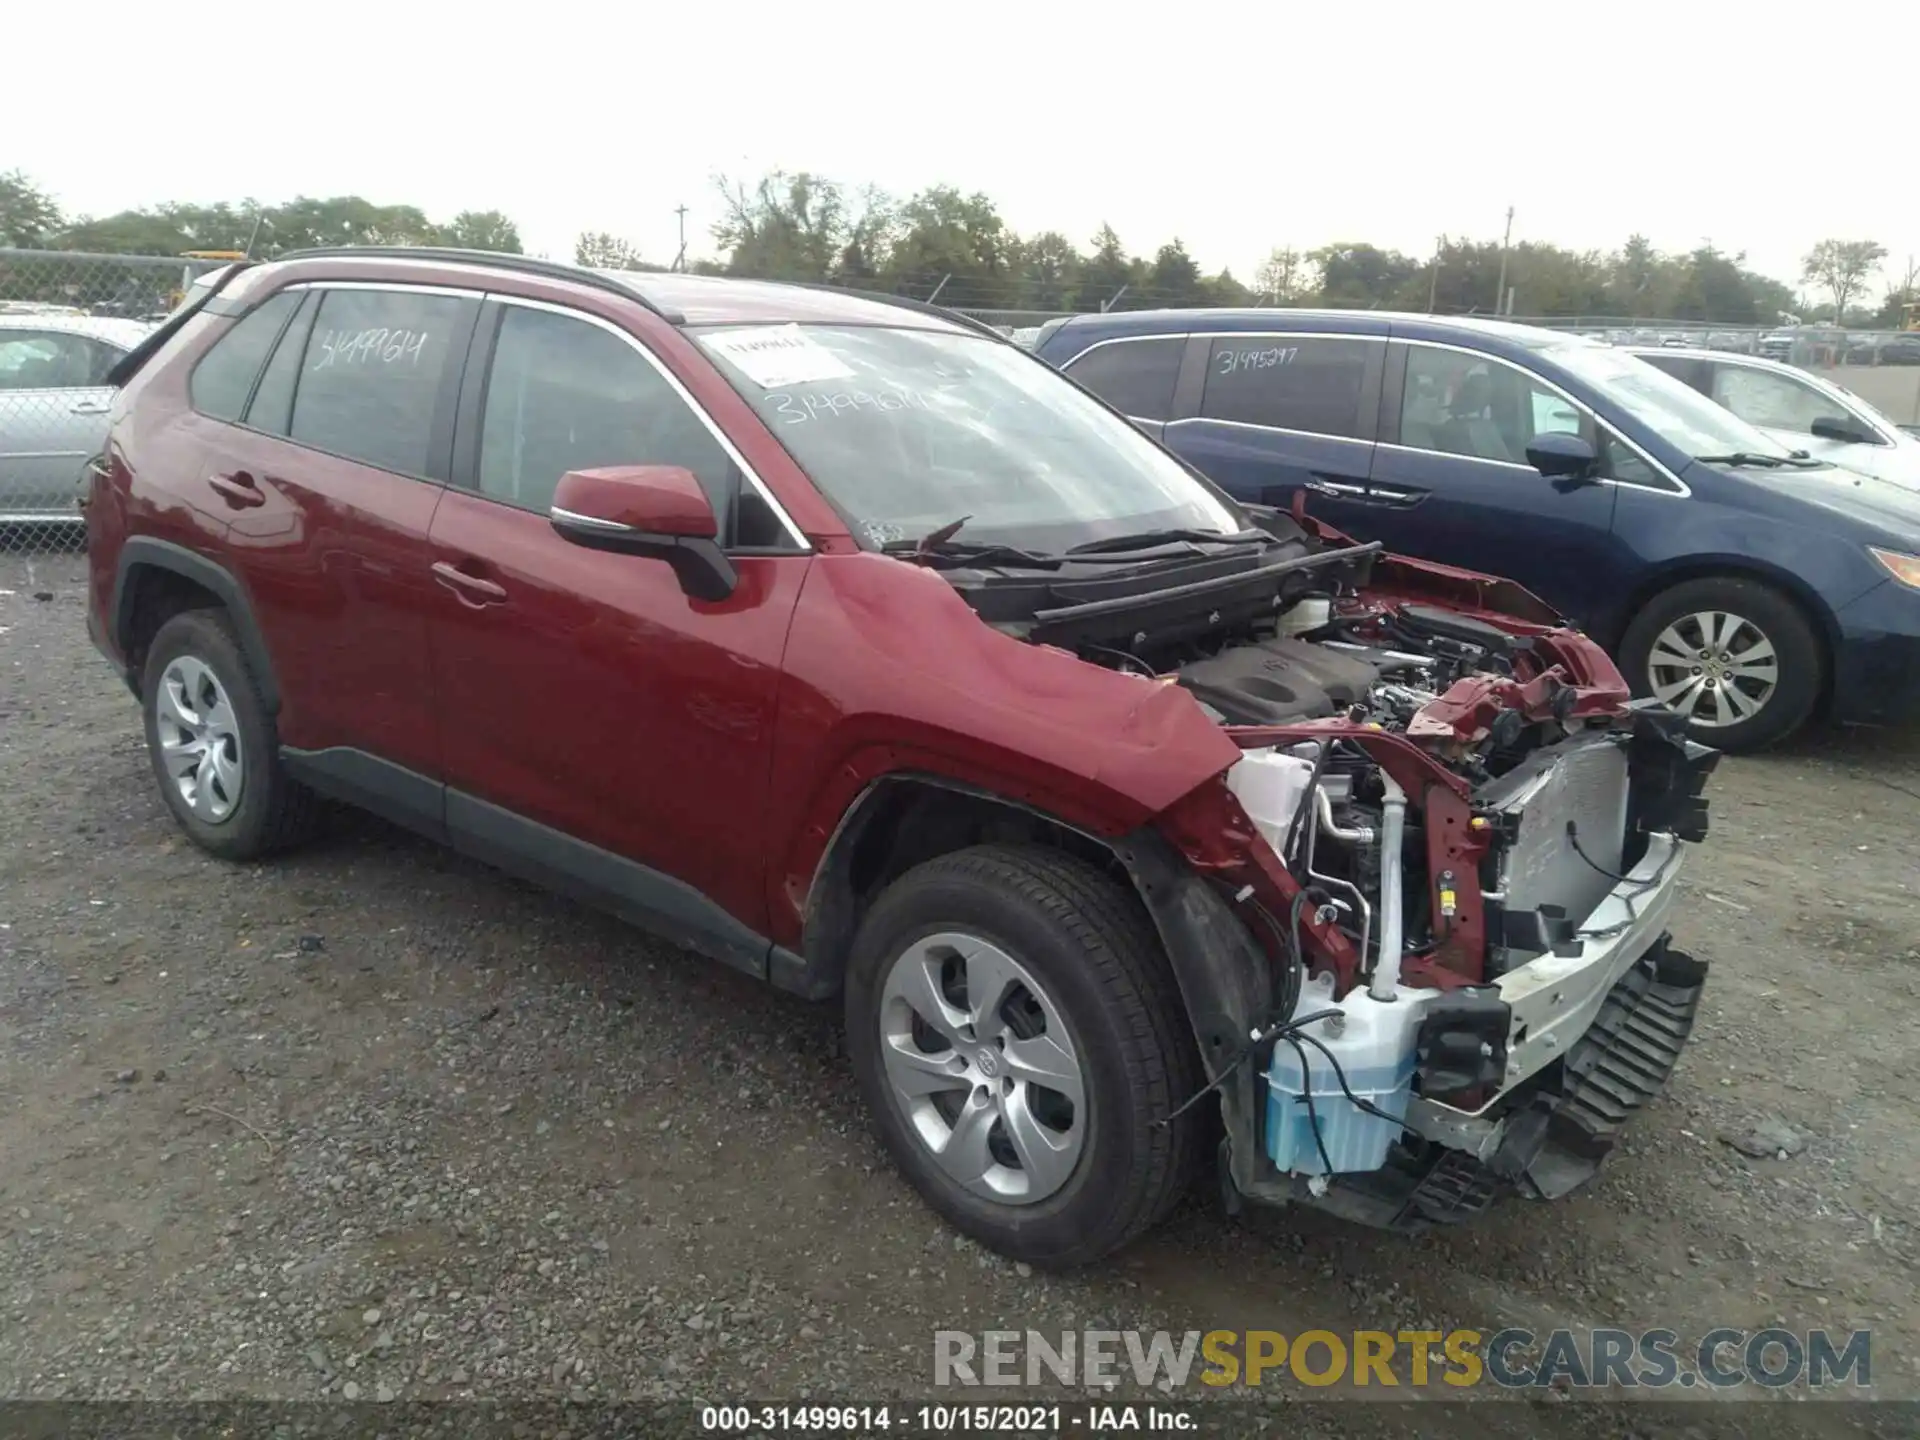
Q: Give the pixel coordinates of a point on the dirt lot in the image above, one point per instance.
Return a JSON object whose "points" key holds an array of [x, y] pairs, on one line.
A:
{"points": [[375, 1121]]}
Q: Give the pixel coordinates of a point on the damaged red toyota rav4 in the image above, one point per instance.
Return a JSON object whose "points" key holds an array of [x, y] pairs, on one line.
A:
{"points": [[840, 640]]}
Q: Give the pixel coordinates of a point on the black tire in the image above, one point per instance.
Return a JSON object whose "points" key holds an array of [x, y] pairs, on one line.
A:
{"points": [[1086, 939], [273, 811], [1796, 644]]}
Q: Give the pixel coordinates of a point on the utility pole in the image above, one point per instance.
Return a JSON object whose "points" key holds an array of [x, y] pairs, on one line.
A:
{"points": [[1433, 282], [1500, 294], [680, 260]]}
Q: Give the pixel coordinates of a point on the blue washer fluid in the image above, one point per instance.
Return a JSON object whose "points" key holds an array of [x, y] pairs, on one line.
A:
{"points": [[1375, 1048]]}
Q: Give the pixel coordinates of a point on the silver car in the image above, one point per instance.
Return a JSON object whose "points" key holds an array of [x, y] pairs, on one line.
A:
{"points": [[53, 406], [1801, 410]]}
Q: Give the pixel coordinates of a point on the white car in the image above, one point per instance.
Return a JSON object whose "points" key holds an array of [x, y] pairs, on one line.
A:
{"points": [[53, 406], [1800, 409]]}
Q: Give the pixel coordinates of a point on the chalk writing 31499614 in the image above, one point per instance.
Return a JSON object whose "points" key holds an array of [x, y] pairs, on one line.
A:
{"points": [[796, 408], [375, 346]]}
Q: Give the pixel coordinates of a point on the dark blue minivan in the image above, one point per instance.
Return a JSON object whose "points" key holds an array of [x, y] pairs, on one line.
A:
{"points": [[1740, 582]]}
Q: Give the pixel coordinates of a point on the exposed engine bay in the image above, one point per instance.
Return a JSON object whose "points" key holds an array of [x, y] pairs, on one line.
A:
{"points": [[1471, 840]]}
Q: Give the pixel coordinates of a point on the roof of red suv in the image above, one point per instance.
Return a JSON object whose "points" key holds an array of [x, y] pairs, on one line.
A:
{"points": [[683, 299]]}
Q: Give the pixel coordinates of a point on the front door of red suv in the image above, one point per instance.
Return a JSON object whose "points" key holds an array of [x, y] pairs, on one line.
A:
{"points": [[584, 692]]}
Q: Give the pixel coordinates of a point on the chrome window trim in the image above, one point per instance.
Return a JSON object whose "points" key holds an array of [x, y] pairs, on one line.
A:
{"points": [[1793, 376], [1269, 430], [800, 543], [1226, 335], [1172, 337], [1680, 491], [405, 287]]}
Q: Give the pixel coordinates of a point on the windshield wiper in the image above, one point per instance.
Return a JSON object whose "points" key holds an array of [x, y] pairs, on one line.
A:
{"points": [[938, 547], [1146, 539], [1744, 457]]}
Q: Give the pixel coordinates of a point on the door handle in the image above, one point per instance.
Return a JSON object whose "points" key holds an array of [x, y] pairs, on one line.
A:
{"points": [[468, 589], [1340, 489], [91, 407], [238, 489], [1393, 497]]}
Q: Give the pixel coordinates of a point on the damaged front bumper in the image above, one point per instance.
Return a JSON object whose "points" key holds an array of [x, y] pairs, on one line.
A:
{"points": [[1592, 1030]]}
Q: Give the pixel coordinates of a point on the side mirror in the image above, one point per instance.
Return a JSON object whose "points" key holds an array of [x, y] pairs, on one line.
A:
{"points": [[1833, 427], [654, 510], [1561, 456]]}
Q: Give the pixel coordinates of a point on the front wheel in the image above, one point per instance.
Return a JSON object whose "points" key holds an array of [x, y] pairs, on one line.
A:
{"points": [[1739, 660], [1021, 1043]]}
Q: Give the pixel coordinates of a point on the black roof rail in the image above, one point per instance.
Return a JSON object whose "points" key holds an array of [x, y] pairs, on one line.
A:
{"points": [[904, 303], [525, 264]]}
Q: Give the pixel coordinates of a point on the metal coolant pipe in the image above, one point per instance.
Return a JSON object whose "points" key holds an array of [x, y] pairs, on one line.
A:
{"points": [[1393, 829]]}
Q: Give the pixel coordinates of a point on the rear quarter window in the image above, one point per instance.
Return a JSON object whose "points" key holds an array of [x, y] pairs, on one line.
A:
{"points": [[1136, 377], [223, 379]]}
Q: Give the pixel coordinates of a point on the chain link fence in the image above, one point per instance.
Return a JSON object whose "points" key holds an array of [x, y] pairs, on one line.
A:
{"points": [[65, 318]]}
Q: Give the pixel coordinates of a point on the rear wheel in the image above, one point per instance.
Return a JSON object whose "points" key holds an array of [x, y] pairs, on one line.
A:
{"points": [[1020, 1040], [213, 744], [1739, 660]]}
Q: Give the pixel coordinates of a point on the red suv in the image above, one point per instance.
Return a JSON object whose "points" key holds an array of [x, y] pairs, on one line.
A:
{"points": [[843, 641]]}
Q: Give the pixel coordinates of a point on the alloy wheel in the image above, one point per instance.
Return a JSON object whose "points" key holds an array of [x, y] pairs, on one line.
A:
{"points": [[200, 739], [983, 1068], [1713, 667]]}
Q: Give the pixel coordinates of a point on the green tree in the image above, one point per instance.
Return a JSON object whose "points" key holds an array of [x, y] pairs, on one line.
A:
{"points": [[1283, 277], [482, 230], [598, 250], [1359, 276], [1049, 269], [1174, 280], [1106, 271], [28, 215], [1633, 277], [1224, 289], [870, 237], [787, 227], [961, 239], [1841, 267]]}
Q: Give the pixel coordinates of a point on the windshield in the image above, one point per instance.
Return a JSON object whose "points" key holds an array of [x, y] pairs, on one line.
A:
{"points": [[907, 431], [1671, 408]]}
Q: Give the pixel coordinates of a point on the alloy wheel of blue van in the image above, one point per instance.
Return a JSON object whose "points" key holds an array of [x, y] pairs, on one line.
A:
{"points": [[1714, 667]]}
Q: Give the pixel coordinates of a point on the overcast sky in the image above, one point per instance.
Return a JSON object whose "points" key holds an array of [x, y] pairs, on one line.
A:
{"points": [[1236, 126]]}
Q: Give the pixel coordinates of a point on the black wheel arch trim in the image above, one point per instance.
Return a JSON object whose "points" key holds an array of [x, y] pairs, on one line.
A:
{"points": [[145, 551], [1221, 970]]}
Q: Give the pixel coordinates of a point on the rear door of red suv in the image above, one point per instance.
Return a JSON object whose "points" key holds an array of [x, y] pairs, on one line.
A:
{"points": [[329, 468], [597, 721]]}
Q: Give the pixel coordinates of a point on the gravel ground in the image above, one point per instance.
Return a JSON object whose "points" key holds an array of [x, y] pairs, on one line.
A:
{"points": [[376, 1122]]}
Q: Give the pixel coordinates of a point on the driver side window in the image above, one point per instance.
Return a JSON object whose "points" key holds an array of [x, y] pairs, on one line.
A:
{"points": [[1473, 405], [564, 394]]}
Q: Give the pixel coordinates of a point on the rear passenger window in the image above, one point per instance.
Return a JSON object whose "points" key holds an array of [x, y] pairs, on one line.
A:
{"points": [[566, 395], [224, 378], [1136, 377], [370, 378], [1314, 383]]}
